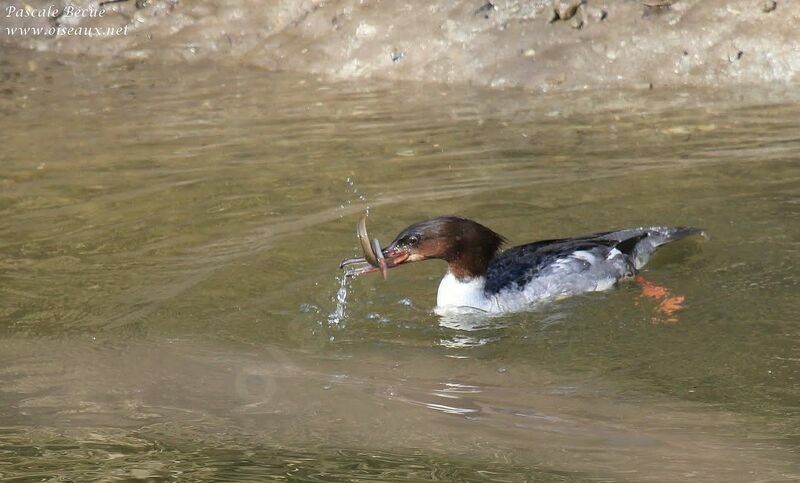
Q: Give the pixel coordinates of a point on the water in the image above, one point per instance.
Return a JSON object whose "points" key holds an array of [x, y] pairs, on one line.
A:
{"points": [[338, 314], [169, 258]]}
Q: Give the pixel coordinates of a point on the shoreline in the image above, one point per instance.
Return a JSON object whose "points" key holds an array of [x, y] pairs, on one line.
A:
{"points": [[619, 45]]}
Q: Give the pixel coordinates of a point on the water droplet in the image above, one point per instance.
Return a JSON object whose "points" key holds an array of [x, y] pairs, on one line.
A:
{"points": [[308, 308]]}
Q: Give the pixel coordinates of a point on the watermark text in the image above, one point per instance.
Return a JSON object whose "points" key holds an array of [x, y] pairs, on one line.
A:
{"points": [[66, 21]]}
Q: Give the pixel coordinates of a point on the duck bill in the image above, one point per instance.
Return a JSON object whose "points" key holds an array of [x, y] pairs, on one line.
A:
{"points": [[360, 265]]}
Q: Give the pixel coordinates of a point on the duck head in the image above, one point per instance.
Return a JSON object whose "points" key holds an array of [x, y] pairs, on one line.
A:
{"points": [[466, 246]]}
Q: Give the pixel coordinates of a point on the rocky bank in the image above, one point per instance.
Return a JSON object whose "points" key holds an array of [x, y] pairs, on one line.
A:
{"points": [[538, 44]]}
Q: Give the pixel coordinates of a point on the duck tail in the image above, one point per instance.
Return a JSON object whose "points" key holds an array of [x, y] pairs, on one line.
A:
{"points": [[642, 245]]}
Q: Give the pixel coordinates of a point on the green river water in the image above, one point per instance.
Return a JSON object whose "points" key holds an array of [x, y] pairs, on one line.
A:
{"points": [[169, 257]]}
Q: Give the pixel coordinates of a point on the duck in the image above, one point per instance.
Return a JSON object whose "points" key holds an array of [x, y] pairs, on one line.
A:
{"points": [[482, 277]]}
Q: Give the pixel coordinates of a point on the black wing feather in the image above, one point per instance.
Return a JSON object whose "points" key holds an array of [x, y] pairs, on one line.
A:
{"points": [[519, 265]]}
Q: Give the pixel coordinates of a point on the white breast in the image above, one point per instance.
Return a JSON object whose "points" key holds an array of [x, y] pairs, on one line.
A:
{"points": [[454, 293]]}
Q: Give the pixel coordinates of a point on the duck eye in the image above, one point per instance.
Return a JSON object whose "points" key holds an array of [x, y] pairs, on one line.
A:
{"points": [[412, 240]]}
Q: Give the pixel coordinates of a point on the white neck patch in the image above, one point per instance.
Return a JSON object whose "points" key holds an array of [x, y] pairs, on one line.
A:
{"points": [[456, 293]]}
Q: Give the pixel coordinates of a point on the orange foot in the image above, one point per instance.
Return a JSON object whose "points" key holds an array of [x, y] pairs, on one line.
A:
{"points": [[669, 305]]}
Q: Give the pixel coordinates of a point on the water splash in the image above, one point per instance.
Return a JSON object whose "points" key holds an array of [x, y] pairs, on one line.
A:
{"points": [[337, 316], [353, 189]]}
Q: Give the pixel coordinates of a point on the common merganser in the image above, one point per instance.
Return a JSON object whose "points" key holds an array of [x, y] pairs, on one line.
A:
{"points": [[480, 276]]}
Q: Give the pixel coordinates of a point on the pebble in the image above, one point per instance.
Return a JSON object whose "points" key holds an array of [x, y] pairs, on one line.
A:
{"points": [[596, 14], [566, 9], [735, 55], [486, 7]]}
